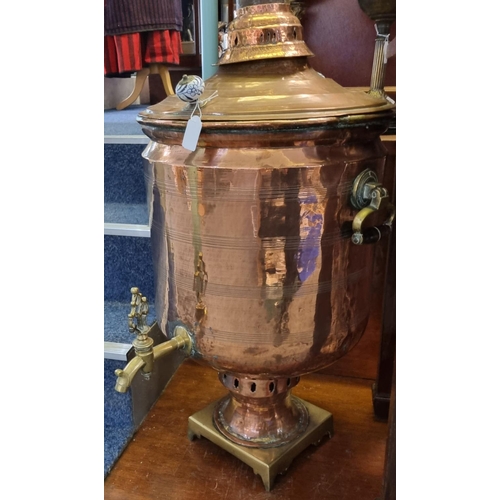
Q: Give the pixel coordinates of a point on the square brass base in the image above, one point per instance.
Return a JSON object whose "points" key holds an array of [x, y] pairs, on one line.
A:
{"points": [[269, 462]]}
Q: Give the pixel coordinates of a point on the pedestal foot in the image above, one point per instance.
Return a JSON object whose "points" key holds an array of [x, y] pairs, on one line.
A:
{"points": [[266, 462]]}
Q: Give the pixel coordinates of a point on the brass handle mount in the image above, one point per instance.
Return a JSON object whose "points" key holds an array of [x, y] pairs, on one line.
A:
{"points": [[369, 196]]}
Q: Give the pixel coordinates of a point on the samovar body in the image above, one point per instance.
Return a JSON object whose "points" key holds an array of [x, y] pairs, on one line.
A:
{"points": [[282, 290]]}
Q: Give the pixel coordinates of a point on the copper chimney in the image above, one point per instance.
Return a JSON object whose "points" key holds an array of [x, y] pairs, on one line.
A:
{"points": [[261, 234]]}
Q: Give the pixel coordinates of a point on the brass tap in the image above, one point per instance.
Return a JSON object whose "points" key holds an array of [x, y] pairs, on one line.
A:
{"points": [[143, 344], [370, 196]]}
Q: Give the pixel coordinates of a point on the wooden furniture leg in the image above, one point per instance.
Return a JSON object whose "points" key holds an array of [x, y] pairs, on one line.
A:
{"points": [[165, 78], [381, 391], [140, 80]]}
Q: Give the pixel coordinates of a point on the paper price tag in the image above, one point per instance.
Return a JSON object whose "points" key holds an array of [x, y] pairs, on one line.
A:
{"points": [[192, 133]]}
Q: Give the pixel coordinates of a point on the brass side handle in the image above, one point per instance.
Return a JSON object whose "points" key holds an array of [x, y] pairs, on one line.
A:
{"points": [[369, 196]]}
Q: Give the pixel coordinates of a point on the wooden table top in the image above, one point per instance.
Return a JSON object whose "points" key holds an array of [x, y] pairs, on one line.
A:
{"points": [[161, 463]]}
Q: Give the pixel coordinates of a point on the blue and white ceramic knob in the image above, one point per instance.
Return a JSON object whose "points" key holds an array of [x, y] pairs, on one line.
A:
{"points": [[190, 88]]}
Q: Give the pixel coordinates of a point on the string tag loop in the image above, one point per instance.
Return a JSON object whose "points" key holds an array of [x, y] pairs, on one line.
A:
{"points": [[189, 89]]}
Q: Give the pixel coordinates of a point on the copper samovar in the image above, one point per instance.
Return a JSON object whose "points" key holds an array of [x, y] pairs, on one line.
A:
{"points": [[261, 234]]}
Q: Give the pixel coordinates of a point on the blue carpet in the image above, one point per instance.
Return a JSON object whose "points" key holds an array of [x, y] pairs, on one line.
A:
{"points": [[128, 262], [118, 419], [124, 173], [123, 122]]}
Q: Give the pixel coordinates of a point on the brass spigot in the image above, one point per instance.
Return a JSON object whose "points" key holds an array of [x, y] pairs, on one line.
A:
{"points": [[146, 354], [370, 196]]}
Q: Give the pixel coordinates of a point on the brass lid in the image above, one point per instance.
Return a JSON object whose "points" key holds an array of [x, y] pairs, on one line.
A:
{"points": [[286, 89], [261, 78]]}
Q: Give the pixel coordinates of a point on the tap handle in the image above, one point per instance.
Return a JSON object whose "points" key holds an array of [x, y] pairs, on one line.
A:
{"points": [[370, 197], [139, 309]]}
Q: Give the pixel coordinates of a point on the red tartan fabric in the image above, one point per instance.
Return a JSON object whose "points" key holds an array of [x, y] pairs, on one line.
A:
{"points": [[128, 53]]}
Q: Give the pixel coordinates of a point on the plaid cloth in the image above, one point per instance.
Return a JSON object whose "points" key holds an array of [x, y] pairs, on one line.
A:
{"points": [[128, 53], [141, 32]]}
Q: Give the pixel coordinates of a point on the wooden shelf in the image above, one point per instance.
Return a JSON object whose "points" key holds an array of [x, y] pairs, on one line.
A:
{"points": [[160, 462]]}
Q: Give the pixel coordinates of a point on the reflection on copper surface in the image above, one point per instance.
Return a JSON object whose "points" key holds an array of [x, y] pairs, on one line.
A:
{"points": [[282, 275]]}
